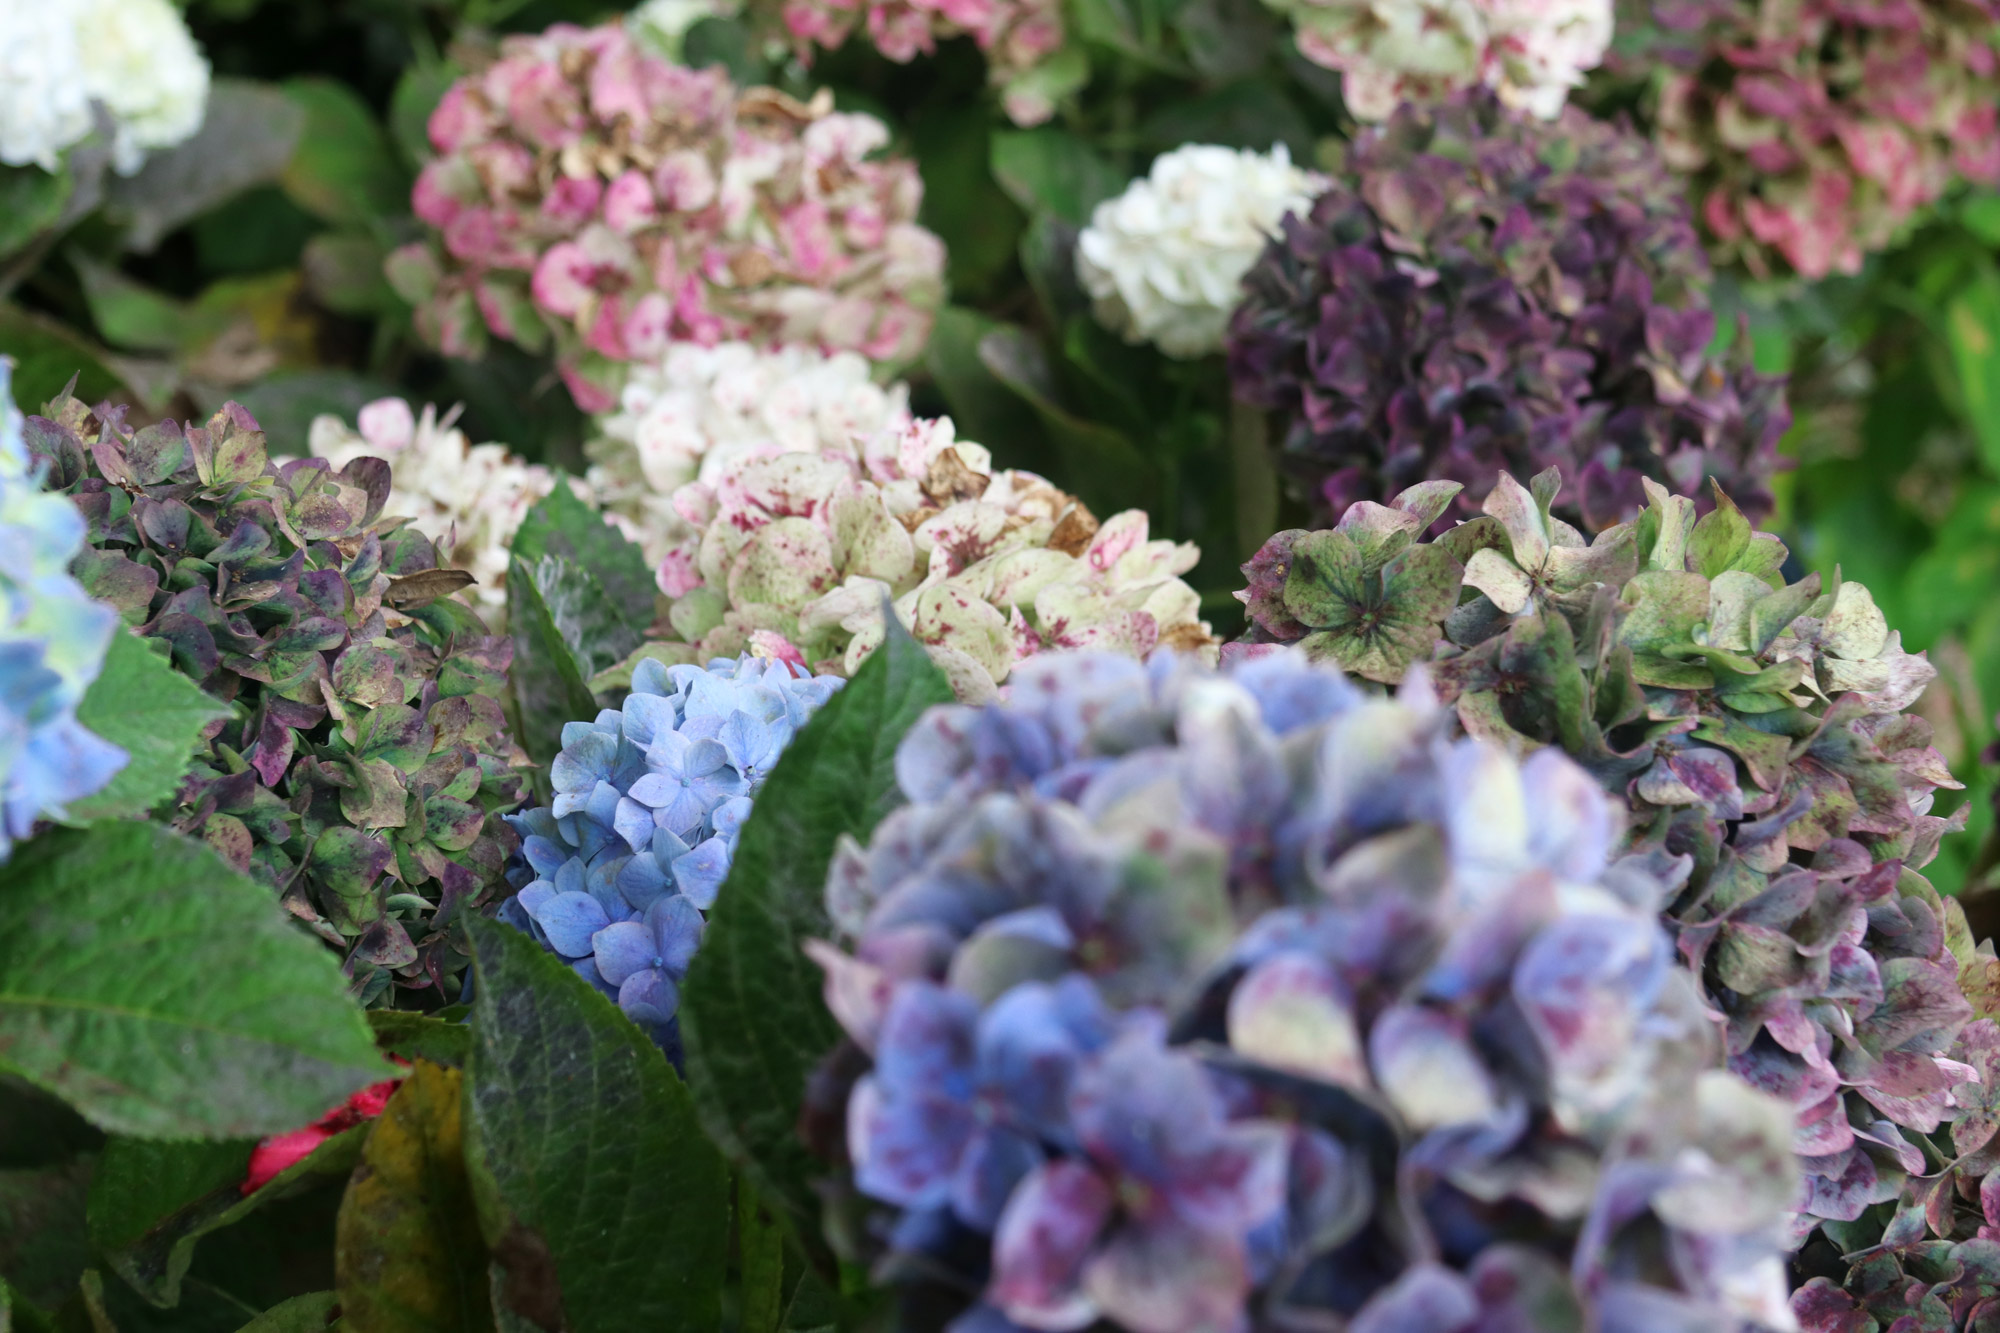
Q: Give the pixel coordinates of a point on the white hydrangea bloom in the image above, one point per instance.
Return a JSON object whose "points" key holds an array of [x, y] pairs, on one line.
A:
{"points": [[43, 106], [468, 498], [134, 58], [141, 63], [698, 410], [1530, 52], [1164, 261]]}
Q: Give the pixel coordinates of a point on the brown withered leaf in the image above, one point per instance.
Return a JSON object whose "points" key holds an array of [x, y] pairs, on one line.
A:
{"points": [[1074, 531], [408, 591]]}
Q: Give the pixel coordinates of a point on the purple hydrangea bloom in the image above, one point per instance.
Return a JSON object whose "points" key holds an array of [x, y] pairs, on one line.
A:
{"points": [[1191, 993], [52, 643], [615, 874], [1480, 292]]}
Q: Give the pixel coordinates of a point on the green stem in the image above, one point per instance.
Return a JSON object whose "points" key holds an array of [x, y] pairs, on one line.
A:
{"points": [[1256, 480]]}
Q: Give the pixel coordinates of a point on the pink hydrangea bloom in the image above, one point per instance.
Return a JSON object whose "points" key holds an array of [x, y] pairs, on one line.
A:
{"points": [[1025, 42], [590, 193], [1816, 130]]}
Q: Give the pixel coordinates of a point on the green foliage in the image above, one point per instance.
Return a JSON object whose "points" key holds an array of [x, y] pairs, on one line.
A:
{"points": [[598, 1195], [751, 1012], [156, 715], [160, 993]]}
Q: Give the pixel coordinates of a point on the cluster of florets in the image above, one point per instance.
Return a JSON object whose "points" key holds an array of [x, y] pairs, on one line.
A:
{"points": [[589, 190], [1815, 132], [1184, 994], [472, 496], [1024, 40], [797, 556], [1481, 292], [1164, 261], [65, 63], [1758, 732], [649, 799], [52, 643], [366, 754], [1529, 52], [699, 411]]}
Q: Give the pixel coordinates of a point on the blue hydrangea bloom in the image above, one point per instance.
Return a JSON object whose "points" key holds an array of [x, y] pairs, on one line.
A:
{"points": [[52, 643], [1192, 995], [615, 874]]}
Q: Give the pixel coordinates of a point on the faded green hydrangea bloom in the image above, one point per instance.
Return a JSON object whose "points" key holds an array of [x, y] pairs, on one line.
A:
{"points": [[1757, 731]]}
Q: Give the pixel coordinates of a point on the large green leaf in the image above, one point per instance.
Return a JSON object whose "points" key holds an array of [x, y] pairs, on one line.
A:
{"points": [[407, 1252], [44, 1240], [751, 1013], [163, 994], [30, 202], [586, 1153], [344, 169], [46, 354], [550, 680], [1103, 466], [301, 1314], [982, 407], [564, 525], [155, 714], [1972, 324], [1051, 170], [248, 132]]}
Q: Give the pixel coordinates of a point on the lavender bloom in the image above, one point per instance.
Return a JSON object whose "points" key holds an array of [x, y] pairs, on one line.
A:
{"points": [[1484, 292], [649, 800], [1191, 993]]}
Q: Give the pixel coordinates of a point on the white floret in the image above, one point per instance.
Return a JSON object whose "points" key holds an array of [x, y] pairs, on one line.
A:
{"points": [[1164, 261]]}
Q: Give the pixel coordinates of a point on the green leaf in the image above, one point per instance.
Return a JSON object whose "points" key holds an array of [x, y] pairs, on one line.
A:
{"points": [[343, 169], [962, 204], [982, 406], [152, 1201], [417, 94], [163, 994], [1254, 113], [47, 353], [151, 711], [1972, 325], [585, 1148], [31, 200], [751, 1013], [407, 1253], [551, 685], [760, 1258], [343, 272], [44, 1239], [301, 1314], [1102, 466], [1051, 170], [130, 314], [421, 1036], [248, 132], [563, 525]]}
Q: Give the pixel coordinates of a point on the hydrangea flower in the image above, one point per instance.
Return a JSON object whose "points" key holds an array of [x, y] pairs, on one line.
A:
{"points": [[1178, 991], [1757, 730], [590, 191], [794, 555], [132, 59], [1529, 52], [649, 798], [473, 496], [698, 411], [366, 757], [1028, 56], [1164, 261], [1815, 133], [52, 643], [1482, 292]]}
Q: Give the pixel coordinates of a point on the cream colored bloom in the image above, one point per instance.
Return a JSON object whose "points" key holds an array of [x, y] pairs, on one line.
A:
{"points": [[700, 410], [141, 64], [43, 106], [468, 498], [1164, 261]]}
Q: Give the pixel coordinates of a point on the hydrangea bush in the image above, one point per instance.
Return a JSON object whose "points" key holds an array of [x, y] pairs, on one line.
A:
{"points": [[1164, 261], [1186, 998], [367, 756], [1814, 134], [1530, 52], [1758, 732], [1481, 292], [590, 192], [473, 496], [796, 555], [52, 643], [698, 411], [65, 61], [1028, 57], [649, 799]]}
